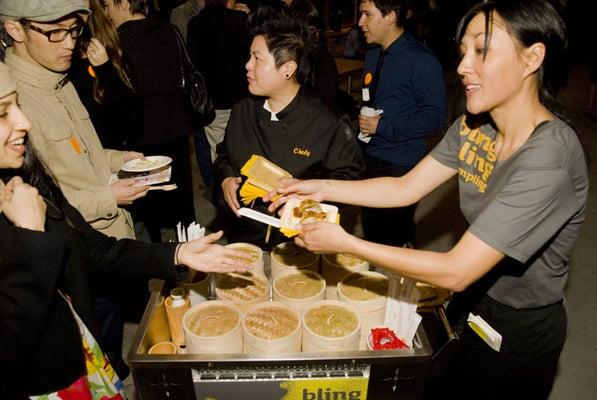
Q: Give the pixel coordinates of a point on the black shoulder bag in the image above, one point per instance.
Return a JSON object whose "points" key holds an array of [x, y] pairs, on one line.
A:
{"points": [[191, 81]]}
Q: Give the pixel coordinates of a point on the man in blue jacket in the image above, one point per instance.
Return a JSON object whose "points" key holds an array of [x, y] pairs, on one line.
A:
{"points": [[403, 78]]}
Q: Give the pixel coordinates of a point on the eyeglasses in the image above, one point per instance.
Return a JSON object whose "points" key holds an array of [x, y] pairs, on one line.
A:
{"points": [[58, 35]]}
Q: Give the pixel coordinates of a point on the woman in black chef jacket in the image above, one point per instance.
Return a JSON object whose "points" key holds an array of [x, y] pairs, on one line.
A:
{"points": [[281, 121]]}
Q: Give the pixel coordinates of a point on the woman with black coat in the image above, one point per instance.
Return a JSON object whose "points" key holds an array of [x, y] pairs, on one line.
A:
{"points": [[48, 254]]}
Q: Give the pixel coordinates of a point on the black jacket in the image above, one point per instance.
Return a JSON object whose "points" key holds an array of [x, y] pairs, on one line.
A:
{"points": [[150, 50], [308, 141], [118, 120], [219, 42], [41, 344]]}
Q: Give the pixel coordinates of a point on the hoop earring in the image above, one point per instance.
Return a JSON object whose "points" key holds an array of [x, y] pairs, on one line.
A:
{"points": [[287, 76]]}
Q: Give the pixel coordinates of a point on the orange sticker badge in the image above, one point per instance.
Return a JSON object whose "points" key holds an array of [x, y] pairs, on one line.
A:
{"points": [[91, 72], [75, 144], [368, 78]]}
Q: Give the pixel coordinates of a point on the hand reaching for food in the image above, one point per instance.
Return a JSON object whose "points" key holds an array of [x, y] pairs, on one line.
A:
{"points": [[312, 189]]}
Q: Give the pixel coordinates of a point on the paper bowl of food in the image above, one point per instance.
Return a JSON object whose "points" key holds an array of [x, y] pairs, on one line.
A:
{"points": [[149, 163], [150, 170]]}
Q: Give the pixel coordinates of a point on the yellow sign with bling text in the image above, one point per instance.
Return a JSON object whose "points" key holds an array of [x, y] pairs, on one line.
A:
{"points": [[326, 389]]}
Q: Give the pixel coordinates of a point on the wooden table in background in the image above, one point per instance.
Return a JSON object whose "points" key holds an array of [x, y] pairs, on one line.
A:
{"points": [[347, 68], [334, 37]]}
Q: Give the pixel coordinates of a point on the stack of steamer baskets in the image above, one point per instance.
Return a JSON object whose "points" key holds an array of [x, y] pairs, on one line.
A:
{"points": [[243, 290], [305, 315], [299, 289], [287, 257], [213, 327], [367, 293], [271, 327], [335, 267]]}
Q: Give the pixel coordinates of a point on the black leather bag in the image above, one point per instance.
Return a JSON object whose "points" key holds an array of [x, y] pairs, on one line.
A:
{"points": [[191, 82]]}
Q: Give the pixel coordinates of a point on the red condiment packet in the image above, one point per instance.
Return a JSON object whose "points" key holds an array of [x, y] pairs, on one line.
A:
{"points": [[384, 339]]}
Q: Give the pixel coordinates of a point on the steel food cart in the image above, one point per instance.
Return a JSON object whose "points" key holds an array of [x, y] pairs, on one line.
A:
{"points": [[345, 375]]}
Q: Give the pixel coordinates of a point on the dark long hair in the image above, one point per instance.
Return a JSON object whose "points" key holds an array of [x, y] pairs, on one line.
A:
{"points": [[529, 22], [99, 26], [35, 174]]}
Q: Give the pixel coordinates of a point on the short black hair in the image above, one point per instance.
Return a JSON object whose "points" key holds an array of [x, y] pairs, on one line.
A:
{"points": [[288, 38], [400, 7], [135, 6]]}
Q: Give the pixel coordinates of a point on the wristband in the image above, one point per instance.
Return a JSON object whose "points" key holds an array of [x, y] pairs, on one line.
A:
{"points": [[176, 260]]}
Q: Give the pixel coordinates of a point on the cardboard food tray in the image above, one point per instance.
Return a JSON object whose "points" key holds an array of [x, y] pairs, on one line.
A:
{"points": [[289, 222], [160, 175], [263, 173]]}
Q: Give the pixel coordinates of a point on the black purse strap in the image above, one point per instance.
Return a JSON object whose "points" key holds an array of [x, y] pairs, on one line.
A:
{"points": [[185, 60]]}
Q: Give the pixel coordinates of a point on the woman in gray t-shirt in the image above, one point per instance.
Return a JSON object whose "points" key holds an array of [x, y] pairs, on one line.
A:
{"points": [[523, 186]]}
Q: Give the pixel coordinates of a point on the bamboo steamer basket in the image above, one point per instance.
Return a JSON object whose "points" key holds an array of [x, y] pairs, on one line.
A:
{"points": [[270, 328], [330, 325], [287, 258], [213, 327], [335, 267], [299, 290], [243, 290], [158, 329], [163, 348], [366, 292], [254, 252]]}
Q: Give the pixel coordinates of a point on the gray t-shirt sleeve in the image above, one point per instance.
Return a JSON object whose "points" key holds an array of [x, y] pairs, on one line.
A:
{"points": [[529, 210], [446, 151]]}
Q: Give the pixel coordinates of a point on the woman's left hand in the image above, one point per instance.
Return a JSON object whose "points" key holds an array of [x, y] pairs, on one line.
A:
{"points": [[96, 53], [203, 255], [323, 237]]}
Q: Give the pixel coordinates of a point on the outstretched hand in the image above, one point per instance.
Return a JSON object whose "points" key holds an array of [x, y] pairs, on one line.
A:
{"points": [[294, 188], [205, 256]]}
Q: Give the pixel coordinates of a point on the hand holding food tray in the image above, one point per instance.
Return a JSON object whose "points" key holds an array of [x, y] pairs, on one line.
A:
{"points": [[149, 170]]}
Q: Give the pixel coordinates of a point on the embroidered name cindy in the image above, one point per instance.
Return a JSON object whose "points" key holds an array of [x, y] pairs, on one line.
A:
{"points": [[302, 152]]}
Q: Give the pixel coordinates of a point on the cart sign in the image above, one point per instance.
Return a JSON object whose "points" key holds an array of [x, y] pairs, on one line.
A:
{"points": [[353, 388], [326, 389]]}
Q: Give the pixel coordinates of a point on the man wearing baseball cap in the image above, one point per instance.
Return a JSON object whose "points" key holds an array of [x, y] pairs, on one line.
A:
{"points": [[44, 34]]}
